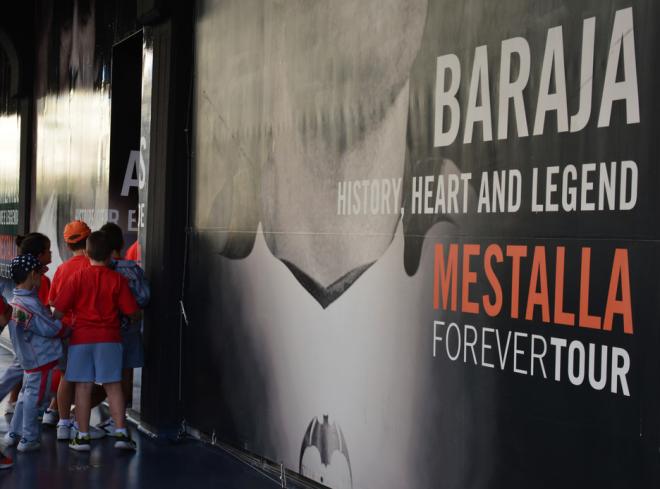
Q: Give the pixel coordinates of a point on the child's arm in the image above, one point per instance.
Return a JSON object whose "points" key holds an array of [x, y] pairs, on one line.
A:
{"points": [[126, 302], [140, 288], [65, 298], [54, 287], [45, 324], [137, 282]]}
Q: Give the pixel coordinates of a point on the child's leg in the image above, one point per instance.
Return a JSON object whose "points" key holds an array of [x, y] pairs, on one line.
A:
{"points": [[29, 412], [65, 393], [16, 425], [107, 364], [35, 396], [10, 377], [51, 414], [66, 389], [13, 394], [116, 401], [83, 405]]}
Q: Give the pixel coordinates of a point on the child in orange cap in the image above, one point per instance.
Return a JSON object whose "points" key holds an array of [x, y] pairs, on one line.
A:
{"points": [[75, 236]]}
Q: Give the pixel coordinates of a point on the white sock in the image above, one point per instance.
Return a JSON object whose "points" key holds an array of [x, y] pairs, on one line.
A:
{"points": [[64, 422], [82, 434], [122, 431]]}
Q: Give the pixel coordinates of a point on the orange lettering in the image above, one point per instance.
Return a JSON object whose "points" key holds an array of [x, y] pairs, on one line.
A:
{"points": [[539, 277], [445, 275], [620, 274], [469, 277], [493, 308], [586, 320]]}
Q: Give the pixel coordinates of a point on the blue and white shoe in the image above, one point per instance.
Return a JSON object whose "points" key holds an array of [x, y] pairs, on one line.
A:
{"points": [[28, 446], [108, 426], [10, 439], [64, 431], [50, 417]]}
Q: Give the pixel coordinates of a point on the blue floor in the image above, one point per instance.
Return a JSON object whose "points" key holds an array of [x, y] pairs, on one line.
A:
{"points": [[157, 464]]}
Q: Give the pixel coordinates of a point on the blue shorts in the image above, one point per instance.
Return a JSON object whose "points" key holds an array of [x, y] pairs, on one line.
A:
{"points": [[94, 362], [133, 356]]}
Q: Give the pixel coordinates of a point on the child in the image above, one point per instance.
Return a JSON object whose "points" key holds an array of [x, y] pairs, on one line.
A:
{"points": [[75, 236], [5, 312], [36, 338], [131, 335], [38, 245], [96, 295]]}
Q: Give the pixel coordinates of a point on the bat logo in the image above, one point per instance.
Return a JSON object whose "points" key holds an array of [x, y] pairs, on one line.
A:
{"points": [[327, 438]]}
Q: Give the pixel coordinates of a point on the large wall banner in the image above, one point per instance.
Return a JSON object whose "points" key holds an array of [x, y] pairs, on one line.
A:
{"points": [[425, 249]]}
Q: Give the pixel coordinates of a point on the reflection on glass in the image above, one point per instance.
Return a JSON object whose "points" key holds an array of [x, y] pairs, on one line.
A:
{"points": [[10, 158], [72, 162], [10, 154], [72, 117]]}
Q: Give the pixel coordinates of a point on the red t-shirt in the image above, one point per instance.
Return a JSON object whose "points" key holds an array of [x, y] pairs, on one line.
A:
{"points": [[44, 290], [134, 253], [62, 274], [96, 295]]}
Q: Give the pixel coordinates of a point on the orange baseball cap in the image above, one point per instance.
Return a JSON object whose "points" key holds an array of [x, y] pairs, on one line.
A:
{"points": [[76, 231]]}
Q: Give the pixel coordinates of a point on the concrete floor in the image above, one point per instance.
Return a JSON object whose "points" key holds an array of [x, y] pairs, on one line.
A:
{"points": [[157, 464]]}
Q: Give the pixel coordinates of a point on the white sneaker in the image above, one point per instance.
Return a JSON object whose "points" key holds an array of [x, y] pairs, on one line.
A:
{"points": [[28, 446], [10, 439], [51, 417], [63, 432]]}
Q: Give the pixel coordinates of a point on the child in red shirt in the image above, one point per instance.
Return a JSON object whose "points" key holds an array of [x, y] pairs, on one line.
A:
{"points": [[75, 236], [96, 295]]}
